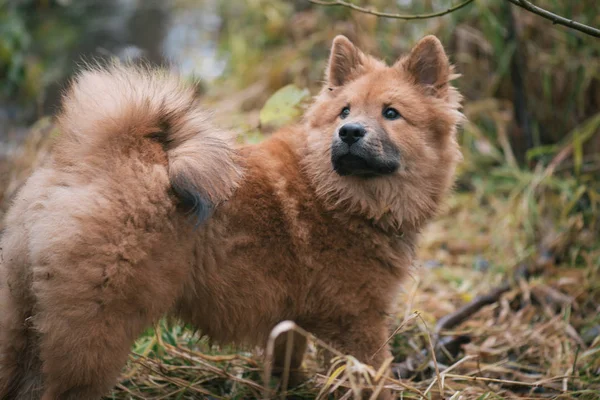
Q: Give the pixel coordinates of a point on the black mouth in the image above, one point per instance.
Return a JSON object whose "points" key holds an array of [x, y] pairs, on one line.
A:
{"points": [[354, 165]]}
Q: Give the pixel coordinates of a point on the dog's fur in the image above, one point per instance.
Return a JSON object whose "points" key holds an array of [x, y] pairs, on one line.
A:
{"points": [[99, 243]]}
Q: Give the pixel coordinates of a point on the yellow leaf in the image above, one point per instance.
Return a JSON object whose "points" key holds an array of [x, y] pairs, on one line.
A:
{"points": [[283, 107]]}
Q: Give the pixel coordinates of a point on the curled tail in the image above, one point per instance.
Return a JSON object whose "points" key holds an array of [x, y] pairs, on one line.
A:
{"points": [[114, 111]]}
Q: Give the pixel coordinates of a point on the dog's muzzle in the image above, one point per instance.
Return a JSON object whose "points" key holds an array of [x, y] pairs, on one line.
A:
{"points": [[356, 152]]}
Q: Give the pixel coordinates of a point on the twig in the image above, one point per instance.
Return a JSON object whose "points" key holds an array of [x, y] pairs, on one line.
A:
{"points": [[435, 363], [556, 19], [126, 389], [536, 384], [390, 15], [404, 369], [288, 361], [209, 367], [407, 320], [462, 314], [279, 329], [156, 367]]}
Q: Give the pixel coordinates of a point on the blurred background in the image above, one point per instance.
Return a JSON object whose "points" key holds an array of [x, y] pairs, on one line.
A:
{"points": [[527, 202]]}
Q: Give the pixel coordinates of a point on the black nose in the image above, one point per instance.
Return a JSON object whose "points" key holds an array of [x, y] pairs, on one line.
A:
{"points": [[352, 133]]}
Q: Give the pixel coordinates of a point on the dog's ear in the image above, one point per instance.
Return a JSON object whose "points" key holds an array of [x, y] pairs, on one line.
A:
{"points": [[346, 62], [428, 66]]}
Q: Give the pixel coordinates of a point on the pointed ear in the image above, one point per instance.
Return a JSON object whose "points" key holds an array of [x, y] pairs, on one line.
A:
{"points": [[428, 65], [345, 61]]}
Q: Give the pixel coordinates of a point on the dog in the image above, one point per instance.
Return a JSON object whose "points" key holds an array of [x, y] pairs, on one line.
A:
{"points": [[145, 209]]}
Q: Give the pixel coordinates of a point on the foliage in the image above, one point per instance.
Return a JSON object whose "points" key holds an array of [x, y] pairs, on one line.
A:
{"points": [[15, 42], [283, 107]]}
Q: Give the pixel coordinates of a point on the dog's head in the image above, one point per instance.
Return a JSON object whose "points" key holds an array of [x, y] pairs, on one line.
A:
{"points": [[382, 139]]}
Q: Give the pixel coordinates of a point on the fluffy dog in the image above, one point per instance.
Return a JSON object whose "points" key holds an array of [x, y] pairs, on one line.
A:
{"points": [[318, 224]]}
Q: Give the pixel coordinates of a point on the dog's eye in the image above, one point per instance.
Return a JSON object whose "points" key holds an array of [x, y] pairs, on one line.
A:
{"points": [[345, 112], [391, 113]]}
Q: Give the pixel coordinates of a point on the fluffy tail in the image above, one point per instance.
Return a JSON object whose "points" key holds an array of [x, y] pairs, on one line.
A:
{"points": [[151, 113]]}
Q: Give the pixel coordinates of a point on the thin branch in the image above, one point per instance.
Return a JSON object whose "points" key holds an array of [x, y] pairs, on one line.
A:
{"points": [[556, 19], [525, 4], [390, 15], [465, 312]]}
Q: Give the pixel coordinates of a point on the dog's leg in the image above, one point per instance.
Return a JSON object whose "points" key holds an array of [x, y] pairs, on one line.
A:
{"points": [[20, 377], [83, 360], [86, 329], [82, 355], [365, 340]]}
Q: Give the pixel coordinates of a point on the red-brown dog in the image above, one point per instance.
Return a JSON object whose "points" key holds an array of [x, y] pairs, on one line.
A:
{"points": [[318, 224]]}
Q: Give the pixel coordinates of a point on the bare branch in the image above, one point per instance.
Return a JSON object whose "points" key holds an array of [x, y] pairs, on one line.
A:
{"points": [[525, 4], [462, 314], [556, 19], [390, 15]]}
